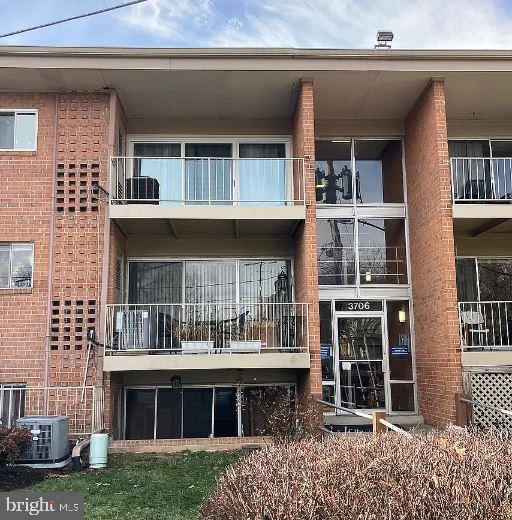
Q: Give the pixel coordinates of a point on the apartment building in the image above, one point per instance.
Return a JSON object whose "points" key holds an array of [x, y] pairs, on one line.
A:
{"points": [[186, 233]]}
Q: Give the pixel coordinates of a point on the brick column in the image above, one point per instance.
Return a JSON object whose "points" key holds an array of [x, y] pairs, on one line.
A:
{"points": [[306, 271], [438, 357]]}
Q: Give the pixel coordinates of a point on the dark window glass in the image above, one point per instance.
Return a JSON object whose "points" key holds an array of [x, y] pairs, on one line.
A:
{"points": [[335, 251], [140, 414], [169, 413], [495, 277], [402, 397], [155, 282], [197, 412], [467, 290], [326, 346], [399, 340], [382, 255], [468, 148], [6, 130], [225, 416], [501, 148], [379, 171], [333, 172]]}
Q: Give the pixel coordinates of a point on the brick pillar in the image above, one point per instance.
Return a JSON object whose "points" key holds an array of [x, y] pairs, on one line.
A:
{"points": [[306, 271], [438, 357]]}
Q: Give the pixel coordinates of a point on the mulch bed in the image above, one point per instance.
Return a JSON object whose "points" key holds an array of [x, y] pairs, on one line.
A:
{"points": [[18, 477]]}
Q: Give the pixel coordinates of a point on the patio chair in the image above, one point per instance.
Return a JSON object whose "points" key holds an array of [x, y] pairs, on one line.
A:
{"points": [[472, 322]]}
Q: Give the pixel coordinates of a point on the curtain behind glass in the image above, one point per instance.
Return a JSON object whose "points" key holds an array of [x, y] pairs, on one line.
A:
{"points": [[209, 174], [264, 181], [155, 282], [167, 171], [210, 282]]}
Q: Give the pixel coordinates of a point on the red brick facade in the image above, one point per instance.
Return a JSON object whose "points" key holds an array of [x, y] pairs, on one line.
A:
{"points": [[306, 270], [438, 356]]}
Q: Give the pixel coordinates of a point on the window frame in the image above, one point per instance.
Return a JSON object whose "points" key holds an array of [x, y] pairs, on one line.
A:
{"points": [[10, 245], [17, 111]]}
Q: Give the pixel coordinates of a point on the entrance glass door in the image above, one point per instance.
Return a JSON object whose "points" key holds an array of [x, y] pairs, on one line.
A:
{"points": [[361, 362]]}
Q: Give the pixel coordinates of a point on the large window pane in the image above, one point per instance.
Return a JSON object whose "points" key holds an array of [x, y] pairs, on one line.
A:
{"points": [[155, 282], [209, 173], [140, 414], [379, 171], [158, 175], [25, 138], [326, 346], [6, 130], [265, 281], [210, 282], [169, 412], [362, 384], [333, 172], [225, 414], [467, 285], [382, 255], [402, 397], [262, 181], [495, 277], [399, 340], [21, 265], [197, 412], [335, 252]]}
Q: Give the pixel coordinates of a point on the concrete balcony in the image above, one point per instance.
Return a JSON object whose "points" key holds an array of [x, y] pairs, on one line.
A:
{"points": [[206, 336], [204, 196]]}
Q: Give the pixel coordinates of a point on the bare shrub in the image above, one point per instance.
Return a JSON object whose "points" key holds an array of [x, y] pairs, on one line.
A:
{"points": [[14, 442], [281, 417], [451, 475]]}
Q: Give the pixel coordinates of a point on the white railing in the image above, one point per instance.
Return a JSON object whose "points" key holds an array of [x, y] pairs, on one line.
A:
{"points": [[481, 179], [206, 181], [83, 405], [217, 328], [486, 325]]}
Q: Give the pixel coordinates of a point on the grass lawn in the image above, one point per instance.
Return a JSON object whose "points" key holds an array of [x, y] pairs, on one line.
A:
{"points": [[144, 486]]}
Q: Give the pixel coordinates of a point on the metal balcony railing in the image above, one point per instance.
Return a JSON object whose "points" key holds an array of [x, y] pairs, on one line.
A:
{"points": [[481, 179], [206, 181], [486, 325], [217, 328]]}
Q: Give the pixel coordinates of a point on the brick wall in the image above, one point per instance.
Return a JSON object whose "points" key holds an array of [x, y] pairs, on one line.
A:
{"points": [[305, 262], [25, 214], [438, 357]]}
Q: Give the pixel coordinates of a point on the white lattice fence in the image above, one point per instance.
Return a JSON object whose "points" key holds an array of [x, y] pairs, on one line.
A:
{"points": [[494, 389]]}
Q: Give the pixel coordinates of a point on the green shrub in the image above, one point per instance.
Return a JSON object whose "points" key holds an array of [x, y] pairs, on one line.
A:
{"points": [[14, 442], [450, 475]]}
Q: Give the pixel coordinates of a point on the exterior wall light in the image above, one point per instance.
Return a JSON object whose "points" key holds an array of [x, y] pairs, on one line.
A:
{"points": [[368, 276], [402, 316], [175, 382]]}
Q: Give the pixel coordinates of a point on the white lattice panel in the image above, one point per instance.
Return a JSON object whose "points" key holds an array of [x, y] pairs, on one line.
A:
{"points": [[494, 389]]}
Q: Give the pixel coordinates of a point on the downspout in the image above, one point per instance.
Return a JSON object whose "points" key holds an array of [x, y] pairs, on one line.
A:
{"points": [[51, 248]]}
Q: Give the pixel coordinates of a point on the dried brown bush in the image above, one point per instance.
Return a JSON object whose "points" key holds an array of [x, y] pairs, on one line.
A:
{"points": [[451, 475], [14, 442]]}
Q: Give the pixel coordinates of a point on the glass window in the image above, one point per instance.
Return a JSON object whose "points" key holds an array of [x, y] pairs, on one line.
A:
{"points": [[140, 414], [382, 255], [326, 346], [225, 413], [17, 130], [155, 282], [467, 285], [265, 281], [197, 412], [210, 282], [12, 403], [333, 172], [402, 397], [16, 265], [399, 340], [495, 278], [169, 413], [158, 173], [501, 148], [379, 171], [335, 252], [262, 173], [468, 148], [209, 173]]}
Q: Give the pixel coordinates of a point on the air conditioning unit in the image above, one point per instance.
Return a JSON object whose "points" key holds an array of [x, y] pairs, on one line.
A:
{"points": [[132, 327], [50, 441]]}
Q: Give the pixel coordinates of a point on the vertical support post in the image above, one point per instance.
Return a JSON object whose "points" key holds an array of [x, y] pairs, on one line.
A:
{"points": [[377, 426], [463, 411]]}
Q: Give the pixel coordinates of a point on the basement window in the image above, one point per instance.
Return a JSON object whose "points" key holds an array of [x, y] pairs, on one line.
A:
{"points": [[18, 130], [16, 265]]}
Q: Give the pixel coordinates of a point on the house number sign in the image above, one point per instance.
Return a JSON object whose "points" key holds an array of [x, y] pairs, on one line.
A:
{"points": [[358, 305]]}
